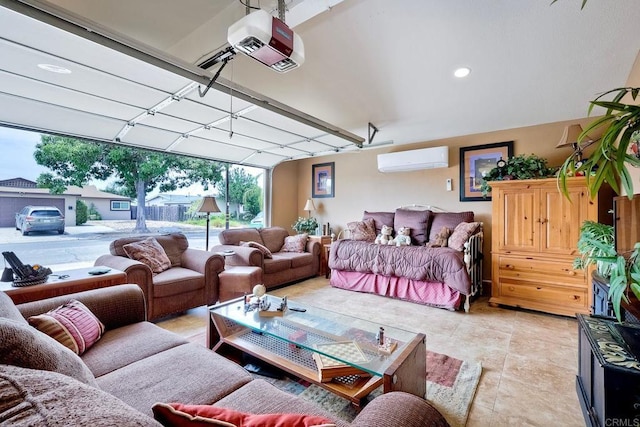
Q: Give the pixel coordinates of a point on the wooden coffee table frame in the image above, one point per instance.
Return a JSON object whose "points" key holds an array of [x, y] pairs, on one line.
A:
{"points": [[402, 375]]}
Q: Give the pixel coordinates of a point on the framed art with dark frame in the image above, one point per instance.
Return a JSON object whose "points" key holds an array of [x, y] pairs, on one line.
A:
{"points": [[323, 183], [475, 162]]}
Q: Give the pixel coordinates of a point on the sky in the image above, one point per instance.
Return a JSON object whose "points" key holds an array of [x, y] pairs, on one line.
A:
{"points": [[17, 154], [17, 161]]}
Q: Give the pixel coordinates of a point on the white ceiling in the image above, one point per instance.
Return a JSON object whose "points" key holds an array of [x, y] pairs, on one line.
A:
{"points": [[389, 63]]}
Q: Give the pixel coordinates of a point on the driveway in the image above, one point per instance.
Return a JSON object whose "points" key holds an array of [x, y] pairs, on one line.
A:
{"points": [[80, 246], [96, 229]]}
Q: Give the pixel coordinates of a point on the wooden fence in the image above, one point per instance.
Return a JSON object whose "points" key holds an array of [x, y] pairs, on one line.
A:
{"points": [[163, 213]]}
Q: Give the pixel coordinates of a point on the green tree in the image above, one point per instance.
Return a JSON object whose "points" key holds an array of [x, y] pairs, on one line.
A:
{"points": [[82, 212], [239, 182], [75, 162], [252, 200]]}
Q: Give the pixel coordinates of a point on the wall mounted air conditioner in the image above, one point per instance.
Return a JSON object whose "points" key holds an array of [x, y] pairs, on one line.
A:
{"points": [[426, 158]]}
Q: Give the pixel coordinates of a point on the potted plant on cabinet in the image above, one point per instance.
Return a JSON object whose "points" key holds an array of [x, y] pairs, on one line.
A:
{"points": [[517, 167]]}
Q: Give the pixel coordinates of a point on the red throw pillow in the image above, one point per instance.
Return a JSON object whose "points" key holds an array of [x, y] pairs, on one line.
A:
{"points": [[72, 325], [177, 414]]}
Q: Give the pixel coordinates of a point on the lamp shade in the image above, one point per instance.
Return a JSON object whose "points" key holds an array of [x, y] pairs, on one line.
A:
{"points": [[209, 205], [309, 206], [571, 135]]}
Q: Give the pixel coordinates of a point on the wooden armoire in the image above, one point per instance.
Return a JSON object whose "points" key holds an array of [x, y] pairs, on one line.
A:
{"points": [[535, 231]]}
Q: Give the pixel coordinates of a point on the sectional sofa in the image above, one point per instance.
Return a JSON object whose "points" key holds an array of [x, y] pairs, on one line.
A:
{"points": [[136, 364]]}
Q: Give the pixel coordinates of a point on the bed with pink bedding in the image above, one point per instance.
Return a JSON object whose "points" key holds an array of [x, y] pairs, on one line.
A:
{"points": [[437, 276]]}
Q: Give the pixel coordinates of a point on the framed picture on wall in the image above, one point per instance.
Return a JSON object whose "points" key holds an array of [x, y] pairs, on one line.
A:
{"points": [[323, 180], [475, 163]]}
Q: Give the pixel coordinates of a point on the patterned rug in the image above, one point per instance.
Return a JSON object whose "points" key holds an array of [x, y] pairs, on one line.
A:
{"points": [[451, 386]]}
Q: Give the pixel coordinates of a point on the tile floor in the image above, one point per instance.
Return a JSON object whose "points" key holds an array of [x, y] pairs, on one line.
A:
{"points": [[529, 359]]}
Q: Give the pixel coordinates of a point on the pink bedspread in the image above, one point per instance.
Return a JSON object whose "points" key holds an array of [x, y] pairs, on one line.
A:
{"points": [[429, 293], [416, 263]]}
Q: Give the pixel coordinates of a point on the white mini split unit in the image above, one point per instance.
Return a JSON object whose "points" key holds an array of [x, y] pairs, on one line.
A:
{"points": [[267, 39], [426, 158]]}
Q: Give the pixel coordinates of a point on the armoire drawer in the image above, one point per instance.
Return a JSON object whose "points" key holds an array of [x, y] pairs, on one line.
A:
{"points": [[567, 297], [540, 271]]}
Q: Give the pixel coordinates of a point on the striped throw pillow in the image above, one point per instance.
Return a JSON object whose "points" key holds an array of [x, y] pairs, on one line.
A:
{"points": [[72, 325]]}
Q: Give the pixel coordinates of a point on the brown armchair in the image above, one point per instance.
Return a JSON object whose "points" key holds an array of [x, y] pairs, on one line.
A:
{"points": [[192, 280]]}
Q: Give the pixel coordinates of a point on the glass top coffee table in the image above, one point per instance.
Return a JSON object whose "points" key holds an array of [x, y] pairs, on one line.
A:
{"points": [[302, 342]]}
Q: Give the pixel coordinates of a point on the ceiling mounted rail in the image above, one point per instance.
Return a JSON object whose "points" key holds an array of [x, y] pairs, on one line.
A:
{"points": [[72, 23]]}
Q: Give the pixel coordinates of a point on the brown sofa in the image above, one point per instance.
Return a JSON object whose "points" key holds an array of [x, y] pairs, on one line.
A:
{"points": [[192, 280], [136, 364], [284, 267]]}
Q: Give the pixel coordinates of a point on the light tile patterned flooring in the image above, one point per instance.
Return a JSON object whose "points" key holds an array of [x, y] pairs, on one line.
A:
{"points": [[529, 359]]}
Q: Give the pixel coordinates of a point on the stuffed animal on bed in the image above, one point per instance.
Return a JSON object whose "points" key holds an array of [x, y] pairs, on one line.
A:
{"points": [[403, 237], [385, 236]]}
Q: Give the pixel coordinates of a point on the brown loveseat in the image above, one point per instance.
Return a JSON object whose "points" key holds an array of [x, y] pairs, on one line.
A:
{"points": [[192, 280], [136, 364], [283, 267]]}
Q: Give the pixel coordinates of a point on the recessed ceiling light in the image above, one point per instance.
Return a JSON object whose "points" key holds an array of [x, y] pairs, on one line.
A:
{"points": [[54, 68], [462, 72]]}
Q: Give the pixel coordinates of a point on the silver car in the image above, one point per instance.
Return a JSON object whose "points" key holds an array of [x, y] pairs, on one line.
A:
{"points": [[39, 218]]}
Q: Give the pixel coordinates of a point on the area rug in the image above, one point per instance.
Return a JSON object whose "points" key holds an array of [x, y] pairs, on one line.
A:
{"points": [[451, 386]]}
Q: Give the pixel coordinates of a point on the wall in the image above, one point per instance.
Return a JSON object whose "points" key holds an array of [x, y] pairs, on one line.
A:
{"points": [[359, 186]]}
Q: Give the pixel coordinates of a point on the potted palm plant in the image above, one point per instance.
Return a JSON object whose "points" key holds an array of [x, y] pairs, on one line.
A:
{"points": [[614, 151], [595, 244]]}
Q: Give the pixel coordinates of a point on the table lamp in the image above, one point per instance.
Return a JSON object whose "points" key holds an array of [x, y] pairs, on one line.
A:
{"points": [[309, 206]]}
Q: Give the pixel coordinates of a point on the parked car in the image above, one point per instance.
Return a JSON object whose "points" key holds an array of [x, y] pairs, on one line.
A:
{"points": [[257, 221], [39, 218]]}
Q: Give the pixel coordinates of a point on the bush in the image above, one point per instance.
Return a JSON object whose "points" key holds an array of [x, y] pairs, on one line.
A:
{"points": [[82, 212]]}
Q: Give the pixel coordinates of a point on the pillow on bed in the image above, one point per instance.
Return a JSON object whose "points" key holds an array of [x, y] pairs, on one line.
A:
{"points": [[362, 230], [461, 234], [417, 221], [441, 238], [447, 219], [380, 219]]}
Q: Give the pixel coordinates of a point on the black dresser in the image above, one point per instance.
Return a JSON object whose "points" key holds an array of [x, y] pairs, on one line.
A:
{"points": [[608, 381]]}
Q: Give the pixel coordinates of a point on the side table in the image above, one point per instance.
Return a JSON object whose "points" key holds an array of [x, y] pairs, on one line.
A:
{"points": [[76, 280], [324, 253]]}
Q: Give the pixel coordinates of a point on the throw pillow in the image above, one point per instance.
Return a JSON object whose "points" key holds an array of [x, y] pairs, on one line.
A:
{"points": [[22, 345], [441, 238], [177, 414], [295, 243], [262, 248], [72, 325], [150, 252], [461, 234], [364, 230]]}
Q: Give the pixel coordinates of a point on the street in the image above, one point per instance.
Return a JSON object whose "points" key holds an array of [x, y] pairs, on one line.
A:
{"points": [[69, 251]]}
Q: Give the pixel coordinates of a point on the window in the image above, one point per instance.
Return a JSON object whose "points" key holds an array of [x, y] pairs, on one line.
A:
{"points": [[120, 205]]}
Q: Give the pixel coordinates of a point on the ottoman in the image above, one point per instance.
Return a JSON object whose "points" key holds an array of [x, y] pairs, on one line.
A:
{"points": [[236, 280]]}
